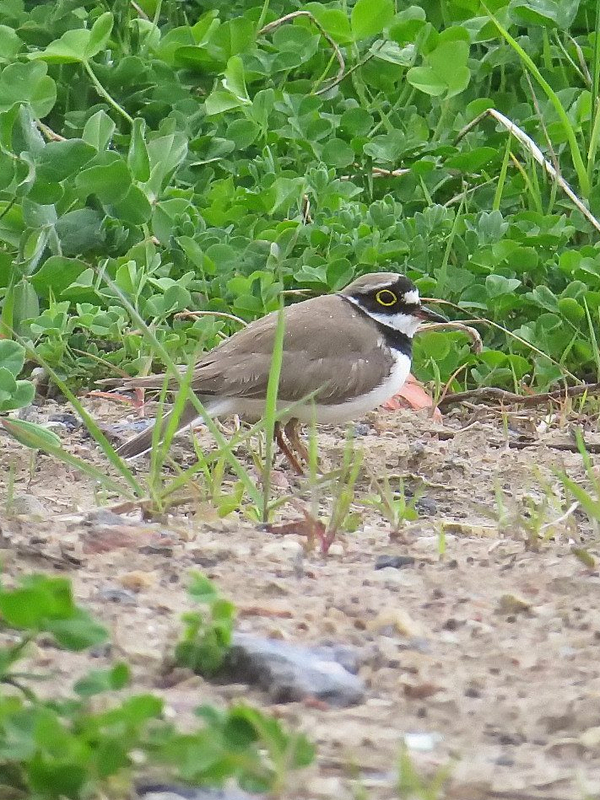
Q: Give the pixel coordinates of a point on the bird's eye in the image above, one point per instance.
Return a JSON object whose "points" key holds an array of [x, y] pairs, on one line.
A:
{"points": [[386, 297]]}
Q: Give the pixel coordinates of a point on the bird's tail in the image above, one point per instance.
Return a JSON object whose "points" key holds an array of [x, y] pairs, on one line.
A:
{"points": [[140, 444]]}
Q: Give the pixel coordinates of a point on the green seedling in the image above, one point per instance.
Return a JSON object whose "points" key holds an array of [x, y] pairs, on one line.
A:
{"points": [[98, 742], [586, 497], [208, 632], [536, 519], [394, 505], [413, 785]]}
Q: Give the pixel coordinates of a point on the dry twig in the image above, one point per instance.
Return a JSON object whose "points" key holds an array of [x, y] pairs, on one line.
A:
{"points": [[537, 154], [570, 447], [221, 314], [51, 135], [140, 11], [474, 335], [501, 396]]}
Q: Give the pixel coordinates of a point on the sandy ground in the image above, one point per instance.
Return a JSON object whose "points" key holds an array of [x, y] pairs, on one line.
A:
{"points": [[482, 659]]}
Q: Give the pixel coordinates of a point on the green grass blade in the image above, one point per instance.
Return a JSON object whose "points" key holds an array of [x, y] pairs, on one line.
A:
{"points": [[160, 351], [502, 176], [162, 435], [587, 502], [270, 417], [582, 175], [595, 133], [90, 423], [593, 338], [24, 432]]}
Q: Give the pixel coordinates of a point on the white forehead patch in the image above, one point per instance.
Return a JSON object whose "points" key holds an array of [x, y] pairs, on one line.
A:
{"points": [[412, 296]]}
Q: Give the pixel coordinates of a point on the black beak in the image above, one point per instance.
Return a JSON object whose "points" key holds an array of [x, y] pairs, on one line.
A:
{"points": [[429, 316]]}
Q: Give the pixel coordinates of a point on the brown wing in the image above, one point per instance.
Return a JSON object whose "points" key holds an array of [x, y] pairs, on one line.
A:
{"points": [[336, 359]]}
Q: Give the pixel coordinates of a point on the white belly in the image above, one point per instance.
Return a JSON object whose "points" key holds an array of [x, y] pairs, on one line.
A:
{"points": [[253, 410]]}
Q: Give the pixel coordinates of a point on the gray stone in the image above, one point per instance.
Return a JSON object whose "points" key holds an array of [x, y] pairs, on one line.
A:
{"points": [[395, 562], [291, 672], [426, 505], [27, 505], [67, 421], [106, 518], [113, 594], [166, 792]]}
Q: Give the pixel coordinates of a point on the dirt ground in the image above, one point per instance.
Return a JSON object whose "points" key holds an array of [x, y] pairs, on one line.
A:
{"points": [[482, 660]]}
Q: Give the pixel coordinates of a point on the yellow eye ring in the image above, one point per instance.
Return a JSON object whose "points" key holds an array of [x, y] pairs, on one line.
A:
{"points": [[386, 297]]}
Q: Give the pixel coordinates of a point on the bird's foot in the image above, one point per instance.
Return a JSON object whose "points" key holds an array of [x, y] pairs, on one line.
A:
{"points": [[287, 452], [292, 431]]}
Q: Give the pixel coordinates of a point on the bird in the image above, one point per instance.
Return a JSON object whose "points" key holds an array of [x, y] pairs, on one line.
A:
{"points": [[344, 354]]}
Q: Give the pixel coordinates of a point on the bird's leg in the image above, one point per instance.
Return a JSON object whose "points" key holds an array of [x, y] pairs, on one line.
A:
{"points": [[293, 434], [292, 460]]}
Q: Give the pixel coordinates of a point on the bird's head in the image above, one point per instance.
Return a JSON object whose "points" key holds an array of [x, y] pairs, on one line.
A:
{"points": [[392, 300]]}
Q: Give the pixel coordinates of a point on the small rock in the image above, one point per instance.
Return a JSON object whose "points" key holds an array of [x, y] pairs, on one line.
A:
{"points": [[395, 562], [148, 539], [56, 427], [167, 792], [326, 786], [448, 637], [422, 742], [444, 704], [336, 549], [431, 544], [104, 516], [590, 738], [346, 655], [212, 553], [392, 578], [426, 505], [398, 620], [137, 580], [566, 748], [420, 691], [283, 550], [511, 604], [123, 430], [114, 595], [417, 448], [291, 672], [459, 528], [275, 589], [27, 505], [68, 421]]}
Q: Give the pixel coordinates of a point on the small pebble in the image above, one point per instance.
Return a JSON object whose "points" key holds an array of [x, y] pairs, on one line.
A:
{"points": [[397, 620], [26, 505], [426, 505], [114, 595], [430, 544], [283, 550], [511, 604], [137, 580], [292, 672], [417, 448], [590, 738], [69, 421], [422, 742], [396, 562]]}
